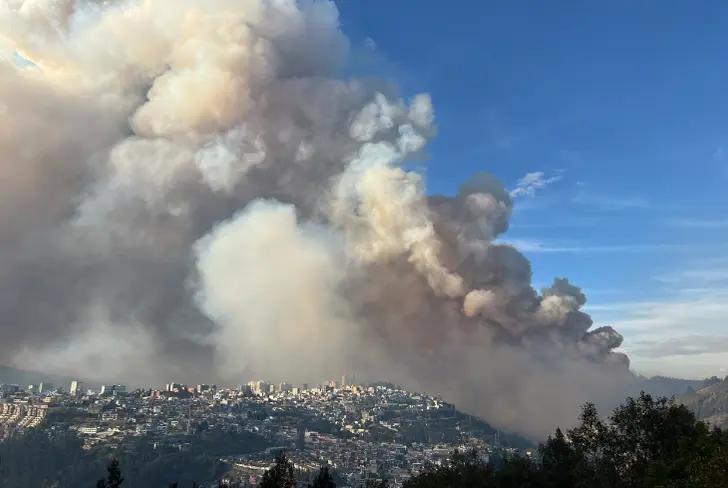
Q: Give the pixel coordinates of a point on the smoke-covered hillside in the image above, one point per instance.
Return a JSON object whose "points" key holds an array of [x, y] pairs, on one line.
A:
{"points": [[709, 403]]}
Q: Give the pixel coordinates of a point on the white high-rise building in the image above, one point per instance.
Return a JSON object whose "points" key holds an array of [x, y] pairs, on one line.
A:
{"points": [[262, 388], [76, 388]]}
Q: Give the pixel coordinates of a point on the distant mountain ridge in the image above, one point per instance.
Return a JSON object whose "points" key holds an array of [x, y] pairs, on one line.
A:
{"points": [[709, 403], [664, 386]]}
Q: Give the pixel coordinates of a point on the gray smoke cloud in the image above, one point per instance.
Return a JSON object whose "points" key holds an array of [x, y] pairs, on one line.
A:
{"points": [[196, 190]]}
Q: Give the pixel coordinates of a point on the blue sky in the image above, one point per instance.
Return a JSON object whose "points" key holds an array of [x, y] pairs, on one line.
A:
{"points": [[621, 106]]}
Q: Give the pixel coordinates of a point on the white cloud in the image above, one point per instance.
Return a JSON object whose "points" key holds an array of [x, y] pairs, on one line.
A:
{"points": [[674, 313], [531, 182], [539, 246], [681, 335], [689, 345], [703, 274], [370, 43]]}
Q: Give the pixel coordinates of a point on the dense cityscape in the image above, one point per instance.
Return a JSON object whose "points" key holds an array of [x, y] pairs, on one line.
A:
{"points": [[362, 432]]}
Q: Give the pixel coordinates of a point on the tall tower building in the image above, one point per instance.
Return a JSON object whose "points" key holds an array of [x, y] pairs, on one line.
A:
{"points": [[76, 388]]}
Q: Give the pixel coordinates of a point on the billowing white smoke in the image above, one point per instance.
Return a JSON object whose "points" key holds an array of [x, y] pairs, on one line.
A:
{"points": [[195, 188], [273, 285]]}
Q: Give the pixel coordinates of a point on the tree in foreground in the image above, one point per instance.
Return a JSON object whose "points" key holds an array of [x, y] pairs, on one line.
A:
{"points": [[323, 479], [113, 477], [645, 443], [280, 475], [464, 470]]}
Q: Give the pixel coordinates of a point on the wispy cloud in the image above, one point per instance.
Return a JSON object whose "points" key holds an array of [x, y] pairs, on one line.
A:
{"points": [[684, 312], [691, 326], [688, 345], [609, 202], [531, 182], [698, 223], [558, 221], [538, 246], [700, 275], [695, 276]]}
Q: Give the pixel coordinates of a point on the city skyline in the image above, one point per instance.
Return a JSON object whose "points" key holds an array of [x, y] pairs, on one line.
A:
{"points": [[361, 432]]}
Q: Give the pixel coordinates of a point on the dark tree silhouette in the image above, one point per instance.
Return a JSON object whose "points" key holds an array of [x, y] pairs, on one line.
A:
{"points": [[113, 477], [645, 443], [560, 461], [280, 475], [465, 470], [323, 479]]}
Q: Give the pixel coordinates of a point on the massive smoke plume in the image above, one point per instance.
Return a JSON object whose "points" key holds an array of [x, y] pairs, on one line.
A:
{"points": [[196, 190]]}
